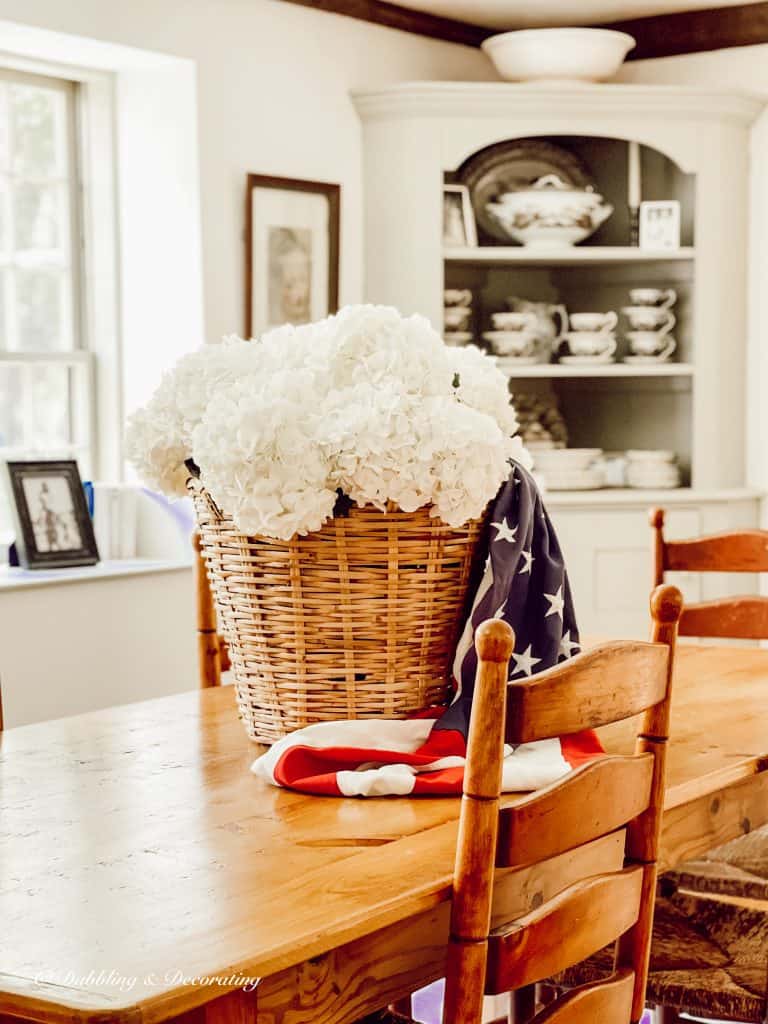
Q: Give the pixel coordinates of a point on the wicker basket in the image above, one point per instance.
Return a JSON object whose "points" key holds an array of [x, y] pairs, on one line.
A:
{"points": [[356, 620]]}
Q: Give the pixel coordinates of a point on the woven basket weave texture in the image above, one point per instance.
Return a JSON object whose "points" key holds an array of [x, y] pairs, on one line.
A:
{"points": [[356, 620]]}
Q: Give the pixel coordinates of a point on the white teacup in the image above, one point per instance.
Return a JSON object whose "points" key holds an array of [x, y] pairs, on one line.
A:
{"points": [[651, 343], [591, 343], [650, 318], [457, 297], [513, 321], [593, 321], [456, 317], [514, 343], [661, 297]]}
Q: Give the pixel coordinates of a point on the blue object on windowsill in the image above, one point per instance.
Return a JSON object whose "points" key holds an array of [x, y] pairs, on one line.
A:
{"points": [[88, 488], [13, 554]]}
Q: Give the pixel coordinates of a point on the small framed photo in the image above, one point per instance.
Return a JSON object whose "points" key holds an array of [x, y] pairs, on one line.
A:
{"points": [[660, 224], [53, 527], [292, 252], [459, 227]]}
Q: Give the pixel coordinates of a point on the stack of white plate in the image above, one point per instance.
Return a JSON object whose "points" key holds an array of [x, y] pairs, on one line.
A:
{"points": [[652, 469], [570, 469]]}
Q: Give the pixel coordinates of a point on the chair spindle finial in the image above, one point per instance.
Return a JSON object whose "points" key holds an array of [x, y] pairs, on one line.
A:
{"points": [[666, 603], [656, 518], [494, 641]]}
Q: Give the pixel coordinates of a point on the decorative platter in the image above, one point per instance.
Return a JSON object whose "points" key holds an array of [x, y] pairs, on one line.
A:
{"points": [[514, 165]]}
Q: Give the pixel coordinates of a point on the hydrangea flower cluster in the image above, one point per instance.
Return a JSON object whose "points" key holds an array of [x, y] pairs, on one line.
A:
{"points": [[366, 402]]}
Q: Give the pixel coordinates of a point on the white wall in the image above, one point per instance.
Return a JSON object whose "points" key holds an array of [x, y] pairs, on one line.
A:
{"points": [[273, 91], [273, 83], [744, 69]]}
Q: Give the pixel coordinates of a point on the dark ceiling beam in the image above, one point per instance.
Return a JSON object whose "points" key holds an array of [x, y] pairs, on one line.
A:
{"points": [[394, 16], [717, 28], [663, 35]]}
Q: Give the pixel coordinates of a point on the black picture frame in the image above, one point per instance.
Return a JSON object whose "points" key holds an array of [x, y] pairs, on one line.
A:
{"points": [[42, 546]]}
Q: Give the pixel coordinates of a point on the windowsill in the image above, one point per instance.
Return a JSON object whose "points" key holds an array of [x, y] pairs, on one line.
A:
{"points": [[16, 579]]}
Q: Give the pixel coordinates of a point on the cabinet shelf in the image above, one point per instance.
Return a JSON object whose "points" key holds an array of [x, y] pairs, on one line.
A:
{"points": [[573, 255], [510, 367], [630, 496]]}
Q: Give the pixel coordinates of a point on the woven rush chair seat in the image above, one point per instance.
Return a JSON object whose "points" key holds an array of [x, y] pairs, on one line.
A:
{"points": [[738, 869], [709, 958]]}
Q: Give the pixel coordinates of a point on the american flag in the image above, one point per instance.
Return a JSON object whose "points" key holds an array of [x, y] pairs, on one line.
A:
{"points": [[523, 582]]}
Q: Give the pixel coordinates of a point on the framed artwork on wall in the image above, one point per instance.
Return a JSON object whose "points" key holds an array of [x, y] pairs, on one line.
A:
{"points": [[53, 526], [292, 251]]}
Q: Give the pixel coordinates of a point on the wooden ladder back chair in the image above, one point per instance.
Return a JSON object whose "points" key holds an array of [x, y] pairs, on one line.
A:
{"points": [[613, 795], [738, 618], [213, 657]]}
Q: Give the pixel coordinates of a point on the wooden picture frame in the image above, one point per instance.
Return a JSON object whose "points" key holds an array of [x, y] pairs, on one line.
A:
{"points": [[292, 244], [53, 526], [459, 225]]}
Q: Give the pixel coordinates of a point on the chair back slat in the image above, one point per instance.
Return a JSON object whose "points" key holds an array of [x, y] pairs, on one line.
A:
{"points": [[734, 618], [583, 693], [596, 799], [600, 823], [601, 1001], [577, 923], [742, 551], [513, 897]]}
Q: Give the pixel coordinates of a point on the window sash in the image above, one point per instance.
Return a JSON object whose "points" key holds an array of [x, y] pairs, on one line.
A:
{"points": [[70, 267]]}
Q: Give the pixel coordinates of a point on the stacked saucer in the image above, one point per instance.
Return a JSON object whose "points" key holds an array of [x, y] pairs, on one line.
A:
{"points": [[652, 470], [457, 314], [590, 339], [570, 469]]}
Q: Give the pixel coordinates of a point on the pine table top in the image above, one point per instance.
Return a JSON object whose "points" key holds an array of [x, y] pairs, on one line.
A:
{"points": [[136, 841]]}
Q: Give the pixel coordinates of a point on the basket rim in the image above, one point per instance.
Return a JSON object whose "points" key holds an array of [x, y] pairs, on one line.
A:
{"points": [[354, 510]]}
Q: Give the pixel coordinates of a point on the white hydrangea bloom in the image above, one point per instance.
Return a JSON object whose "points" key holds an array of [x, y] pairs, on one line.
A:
{"points": [[159, 435], [366, 402]]}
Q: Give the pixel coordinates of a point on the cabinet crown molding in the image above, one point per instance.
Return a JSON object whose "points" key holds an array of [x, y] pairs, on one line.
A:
{"points": [[492, 99]]}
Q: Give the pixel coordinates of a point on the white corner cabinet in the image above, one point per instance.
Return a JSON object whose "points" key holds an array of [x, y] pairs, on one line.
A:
{"points": [[695, 148]]}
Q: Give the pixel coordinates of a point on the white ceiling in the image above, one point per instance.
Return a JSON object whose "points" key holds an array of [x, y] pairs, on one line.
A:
{"points": [[508, 14]]}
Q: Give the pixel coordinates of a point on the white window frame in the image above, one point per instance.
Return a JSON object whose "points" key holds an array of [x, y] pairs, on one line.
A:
{"points": [[138, 133], [82, 434], [94, 237]]}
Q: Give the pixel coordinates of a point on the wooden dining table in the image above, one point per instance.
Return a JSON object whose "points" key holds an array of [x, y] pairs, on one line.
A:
{"points": [[146, 874]]}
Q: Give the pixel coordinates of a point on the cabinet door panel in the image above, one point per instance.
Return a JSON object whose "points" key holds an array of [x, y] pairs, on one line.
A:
{"points": [[608, 556]]}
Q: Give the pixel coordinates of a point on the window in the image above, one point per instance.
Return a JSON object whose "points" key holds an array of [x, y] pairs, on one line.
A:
{"points": [[45, 401]]}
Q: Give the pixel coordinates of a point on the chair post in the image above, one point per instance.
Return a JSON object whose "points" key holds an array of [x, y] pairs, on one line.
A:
{"points": [[656, 519], [634, 947], [208, 652], [478, 828]]}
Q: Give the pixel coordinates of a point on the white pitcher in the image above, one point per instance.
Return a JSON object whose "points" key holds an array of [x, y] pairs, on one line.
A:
{"points": [[548, 333]]}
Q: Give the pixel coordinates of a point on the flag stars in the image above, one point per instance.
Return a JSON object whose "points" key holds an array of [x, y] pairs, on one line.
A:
{"points": [[524, 662], [556, 602], [529, 560], [504, 531], [568, 646]]}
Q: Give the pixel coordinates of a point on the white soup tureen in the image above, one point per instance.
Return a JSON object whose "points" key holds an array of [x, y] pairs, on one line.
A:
{"points": [[550, 213]]}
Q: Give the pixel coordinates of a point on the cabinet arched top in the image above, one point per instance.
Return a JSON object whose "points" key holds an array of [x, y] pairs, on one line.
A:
{"points": [[461, 157]]}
